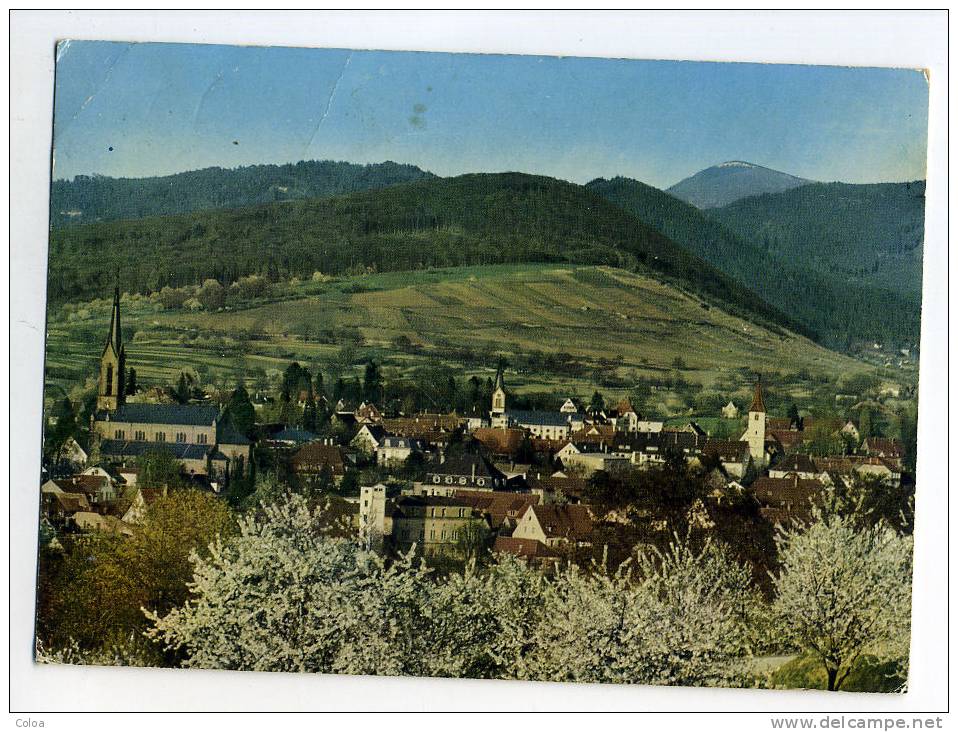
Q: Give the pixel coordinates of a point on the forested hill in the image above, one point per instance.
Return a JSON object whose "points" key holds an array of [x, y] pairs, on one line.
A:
{"points": [[87, 199], [867, 234], [840, 311], [442, 222]]}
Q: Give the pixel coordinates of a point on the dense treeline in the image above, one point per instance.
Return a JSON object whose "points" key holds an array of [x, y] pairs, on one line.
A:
{"points": [[827, 301], [862, 234], [471, 219], [87, 199]]}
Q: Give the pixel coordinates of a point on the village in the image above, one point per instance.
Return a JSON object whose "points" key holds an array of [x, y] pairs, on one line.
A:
{"points": [[535, 484]]}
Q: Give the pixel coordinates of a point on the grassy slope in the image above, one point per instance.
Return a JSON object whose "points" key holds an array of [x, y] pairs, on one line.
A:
{"points": [[589, 312]]}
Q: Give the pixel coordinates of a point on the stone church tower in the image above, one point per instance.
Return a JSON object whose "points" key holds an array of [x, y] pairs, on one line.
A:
{"points": [[112, 384], [755, 432]]}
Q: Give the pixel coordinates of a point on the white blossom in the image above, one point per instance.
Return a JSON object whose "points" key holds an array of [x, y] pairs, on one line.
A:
{"points": [[675, 618], [843, 592]]}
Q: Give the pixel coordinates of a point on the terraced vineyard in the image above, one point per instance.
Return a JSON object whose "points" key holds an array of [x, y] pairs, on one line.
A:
{"points": [[607, 318]]}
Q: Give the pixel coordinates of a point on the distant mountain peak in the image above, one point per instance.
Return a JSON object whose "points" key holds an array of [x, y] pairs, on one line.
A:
{"points": [[730, 181]]}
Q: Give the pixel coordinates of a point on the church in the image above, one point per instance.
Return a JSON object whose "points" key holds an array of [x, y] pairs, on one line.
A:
{"points": [[540, 424], [195, 434]]}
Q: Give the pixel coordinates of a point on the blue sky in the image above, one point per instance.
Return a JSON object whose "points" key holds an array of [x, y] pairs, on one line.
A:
{"points": [[125, 109]]}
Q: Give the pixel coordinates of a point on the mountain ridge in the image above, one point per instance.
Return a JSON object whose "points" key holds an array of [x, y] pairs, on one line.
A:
{"points": [[87, 199], [724, 183], [840, 311]]}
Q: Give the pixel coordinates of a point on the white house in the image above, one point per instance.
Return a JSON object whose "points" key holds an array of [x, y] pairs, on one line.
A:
{"points": [[395, 450], [730, 410], [580, 459], [369, 438], [648, 426], [555, 525], [74, 453]]}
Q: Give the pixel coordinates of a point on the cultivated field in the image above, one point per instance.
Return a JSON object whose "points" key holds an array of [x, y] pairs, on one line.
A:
{"points": [[615, 321]]}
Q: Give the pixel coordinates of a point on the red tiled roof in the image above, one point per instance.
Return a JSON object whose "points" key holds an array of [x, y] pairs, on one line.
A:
{"points": [[72, 502], [369, 412], [87, 484], [792, 495], [796, 463], [573, 522], [603, 433], [884, 447], [779, 423], [788, 439], [311, 458], [727, 450], [498, 506], [524, 548], [499, 441], [422, 425], [571, 486]]}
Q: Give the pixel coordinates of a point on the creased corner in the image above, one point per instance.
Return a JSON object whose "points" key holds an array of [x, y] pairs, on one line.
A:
{"points": [[62, 47]]}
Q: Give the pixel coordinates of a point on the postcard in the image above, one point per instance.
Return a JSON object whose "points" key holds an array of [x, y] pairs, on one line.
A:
{"points": [[484, 366]]}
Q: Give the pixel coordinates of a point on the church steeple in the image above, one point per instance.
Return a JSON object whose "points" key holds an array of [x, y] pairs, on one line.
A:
{"points": [[499, 393], [111, 389], [755, 432], [499, 382], [758, 403], [116, 333]]}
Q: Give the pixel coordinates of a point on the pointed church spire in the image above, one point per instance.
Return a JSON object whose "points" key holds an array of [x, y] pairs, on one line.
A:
{"points": [[116, 334], [758, 403], [111, 392], [498, 394]]}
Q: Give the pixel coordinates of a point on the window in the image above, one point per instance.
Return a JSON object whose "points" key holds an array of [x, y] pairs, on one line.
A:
{"points": [[118, 434], [159, 437], [436, 479], [449, 479], [181, 437], [202, 439], [480, 481], [109, 380], [462, 480], [460, 513], [432, 534], [139, 435]]}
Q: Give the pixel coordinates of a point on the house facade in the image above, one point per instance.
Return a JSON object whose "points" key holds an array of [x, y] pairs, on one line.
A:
{"points": [[556, 525], [435, 524]]}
